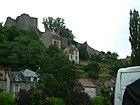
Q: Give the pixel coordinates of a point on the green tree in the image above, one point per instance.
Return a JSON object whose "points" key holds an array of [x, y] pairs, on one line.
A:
{"points": [[83, 54], [78, 98], [7, 99], [116, 65], [93, 70], [58, 25], [56, 101], [134, 28], [99, 100], [96, 58], [21, 49], [58, 78]]}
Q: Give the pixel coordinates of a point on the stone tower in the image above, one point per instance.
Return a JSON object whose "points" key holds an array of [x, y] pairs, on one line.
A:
{"points": [[24, 21]]}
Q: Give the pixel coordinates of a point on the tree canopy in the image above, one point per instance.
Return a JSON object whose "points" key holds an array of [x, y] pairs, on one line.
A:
{"points": [[20, 49], [58, 25], [58, 78], [134, 28]]}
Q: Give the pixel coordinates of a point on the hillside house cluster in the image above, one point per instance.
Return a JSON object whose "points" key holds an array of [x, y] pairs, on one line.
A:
{"points": [[13, 82], [25, 22]]}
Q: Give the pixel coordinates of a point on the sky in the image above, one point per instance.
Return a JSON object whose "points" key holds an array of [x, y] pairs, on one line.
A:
{"points": [[104, 24]]}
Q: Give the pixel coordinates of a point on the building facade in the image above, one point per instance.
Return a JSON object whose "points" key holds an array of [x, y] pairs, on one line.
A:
{"points": [[13, 82], [73, 53], [86, 85]]}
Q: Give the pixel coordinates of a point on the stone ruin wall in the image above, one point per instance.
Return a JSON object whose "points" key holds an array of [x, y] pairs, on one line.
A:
{"points": [[24, 22]]}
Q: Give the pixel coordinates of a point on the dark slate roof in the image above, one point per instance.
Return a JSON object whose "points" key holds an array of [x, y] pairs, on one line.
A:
{"points": [[17, 74], [29, 73]]}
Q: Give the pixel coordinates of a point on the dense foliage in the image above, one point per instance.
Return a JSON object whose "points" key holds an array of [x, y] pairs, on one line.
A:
{"points": [[93, 70], [56, 101], [78, 98], [58, 78], [7, 99], [83, 54], [20, 49], [58, 25], [99, 100], [134, 27]]}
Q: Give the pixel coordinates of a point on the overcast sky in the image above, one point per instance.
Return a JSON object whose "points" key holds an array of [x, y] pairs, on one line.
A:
{"points": [[104, 24]]}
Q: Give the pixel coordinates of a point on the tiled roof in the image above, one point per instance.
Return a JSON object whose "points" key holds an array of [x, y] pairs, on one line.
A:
{"points": [[86, 82], [108, 84], [71, 49], [16, 74]]}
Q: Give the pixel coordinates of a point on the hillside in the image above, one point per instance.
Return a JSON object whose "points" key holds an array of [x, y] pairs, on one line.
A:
{"points": [[23, 41]]}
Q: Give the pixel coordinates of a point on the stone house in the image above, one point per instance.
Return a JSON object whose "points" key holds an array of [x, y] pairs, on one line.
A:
{"points": [[51, 38], [31, 78], [17, 82], [22, 80], [73, 53], [87, 86], [2, 80]]}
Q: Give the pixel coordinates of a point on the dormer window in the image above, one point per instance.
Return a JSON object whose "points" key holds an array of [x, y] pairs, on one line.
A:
{"points": [[35, 78], [31, 79], [16, 78]]}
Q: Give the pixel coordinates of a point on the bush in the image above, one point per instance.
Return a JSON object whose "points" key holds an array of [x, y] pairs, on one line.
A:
{"points": [[78, 98], [6, 99], [56, 101], [99, 100]]}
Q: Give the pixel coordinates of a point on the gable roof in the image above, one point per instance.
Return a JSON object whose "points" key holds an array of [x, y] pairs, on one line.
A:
{"points": [[29, 73], [86, 83], [108, 84], [71, 49]]}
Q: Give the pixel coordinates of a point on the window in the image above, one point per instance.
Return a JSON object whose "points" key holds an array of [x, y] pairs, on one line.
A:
{"points": [[16, 78], [16, 88], [35, 78], [66, 52], [76, 57], [71, 56], [92, 90], [75, 52], [87, 89], [31, 79], [55, 43]]}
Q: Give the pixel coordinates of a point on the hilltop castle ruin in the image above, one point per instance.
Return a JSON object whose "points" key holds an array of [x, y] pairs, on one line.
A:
{"points": [[24, 21]]}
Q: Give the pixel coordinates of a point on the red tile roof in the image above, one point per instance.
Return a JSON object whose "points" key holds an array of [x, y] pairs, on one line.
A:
{"points": [[108, 84], [86, 82]]}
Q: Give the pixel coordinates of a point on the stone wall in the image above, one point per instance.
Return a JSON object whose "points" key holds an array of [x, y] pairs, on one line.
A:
{"points": [[24, 21], [64, 42], [10, 22], [91, 51], [46, 38]]}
